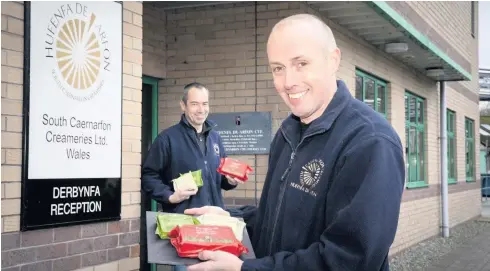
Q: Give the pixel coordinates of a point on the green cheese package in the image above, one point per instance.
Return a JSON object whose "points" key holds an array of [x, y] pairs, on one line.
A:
{"points": [[197, 176], [188, 181], [166, 222]]}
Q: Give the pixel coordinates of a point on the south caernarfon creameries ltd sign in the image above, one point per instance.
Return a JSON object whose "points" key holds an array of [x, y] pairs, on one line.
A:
{"points": [[73, 97]]}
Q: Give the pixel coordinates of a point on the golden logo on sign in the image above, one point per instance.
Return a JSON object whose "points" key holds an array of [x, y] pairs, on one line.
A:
{"points": [[78, 53]]}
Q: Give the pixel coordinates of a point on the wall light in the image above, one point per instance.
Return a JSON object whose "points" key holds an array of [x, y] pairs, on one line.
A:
{"points": [[434, 72], [395, 48]]}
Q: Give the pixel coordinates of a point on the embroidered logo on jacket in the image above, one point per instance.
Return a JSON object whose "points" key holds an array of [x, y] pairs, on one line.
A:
{"points": [[216, 149], [310, 176]]}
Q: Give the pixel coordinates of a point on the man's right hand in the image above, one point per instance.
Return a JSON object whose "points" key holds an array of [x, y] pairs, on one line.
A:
{"points": [[206, 210], [181, 195]]}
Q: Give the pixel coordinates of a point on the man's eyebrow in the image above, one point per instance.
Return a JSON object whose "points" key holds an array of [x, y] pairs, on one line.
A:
{"points": [[298, 57], [275, 63], [292, 59]]}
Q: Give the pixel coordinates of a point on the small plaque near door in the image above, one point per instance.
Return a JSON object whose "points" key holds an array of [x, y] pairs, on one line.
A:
{"points": [[244, 132]]}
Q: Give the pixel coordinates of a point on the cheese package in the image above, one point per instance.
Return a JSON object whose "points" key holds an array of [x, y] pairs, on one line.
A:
{"points": [[197, 176], [166, 222], [189, 240], [188, 181], [234, 168], [219, 220]]}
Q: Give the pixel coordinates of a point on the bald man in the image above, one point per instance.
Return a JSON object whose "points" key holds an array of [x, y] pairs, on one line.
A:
{"points": [[332, 193]]}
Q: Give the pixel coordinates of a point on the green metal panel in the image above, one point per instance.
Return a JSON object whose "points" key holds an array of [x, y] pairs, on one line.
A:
{"points": [[154, 125]]}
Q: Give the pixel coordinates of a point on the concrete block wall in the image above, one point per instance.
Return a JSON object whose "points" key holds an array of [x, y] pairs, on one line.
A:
{"points": [[215, 45], [154, 45], [97, 246]]}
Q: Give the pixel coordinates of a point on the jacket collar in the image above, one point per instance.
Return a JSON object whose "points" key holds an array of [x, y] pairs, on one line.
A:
{"points": [[291, 126], [207, 126]]}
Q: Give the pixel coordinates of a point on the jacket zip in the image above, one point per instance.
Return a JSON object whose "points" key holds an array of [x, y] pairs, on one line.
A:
{"points": [[284, 177], [208, 172]]}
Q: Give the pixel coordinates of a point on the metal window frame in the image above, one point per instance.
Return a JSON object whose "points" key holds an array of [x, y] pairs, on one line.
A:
{"points": [[451, 134], [469, 125], [419, 128], [377, 81]]}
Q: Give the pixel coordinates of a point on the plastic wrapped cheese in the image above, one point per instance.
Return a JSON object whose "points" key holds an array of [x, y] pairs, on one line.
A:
{"points": [[188, 181], [166, 222], [189, 240], [219, 220], [234, 168]]}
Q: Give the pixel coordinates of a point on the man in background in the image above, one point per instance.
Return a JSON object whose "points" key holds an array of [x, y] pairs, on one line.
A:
{"points": [[189, 145]]}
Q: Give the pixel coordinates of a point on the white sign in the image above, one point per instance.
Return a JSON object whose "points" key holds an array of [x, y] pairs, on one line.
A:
{"points": [[75, 90]]}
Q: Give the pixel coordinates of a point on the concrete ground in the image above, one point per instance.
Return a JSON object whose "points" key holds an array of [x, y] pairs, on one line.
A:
{"points": [[485, 208], [473, 255]]}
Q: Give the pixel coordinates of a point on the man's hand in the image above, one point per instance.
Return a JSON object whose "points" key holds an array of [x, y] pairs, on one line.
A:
{"points": [[233, 181], [181, 195], [217, 260], [206, 210]]}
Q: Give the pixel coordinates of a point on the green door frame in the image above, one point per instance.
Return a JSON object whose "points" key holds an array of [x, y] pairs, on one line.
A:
{"points": [[154, 127]]}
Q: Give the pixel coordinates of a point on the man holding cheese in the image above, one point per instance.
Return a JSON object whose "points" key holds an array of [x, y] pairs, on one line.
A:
{"points": [[188, 146], [332, 193]]}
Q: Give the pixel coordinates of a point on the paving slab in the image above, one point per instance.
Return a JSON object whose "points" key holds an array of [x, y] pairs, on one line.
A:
{"points": [[474, 255]]}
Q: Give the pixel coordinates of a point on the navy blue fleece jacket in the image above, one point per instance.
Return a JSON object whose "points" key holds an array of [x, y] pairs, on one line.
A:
{"points": [[176, 151], [331, 197]]}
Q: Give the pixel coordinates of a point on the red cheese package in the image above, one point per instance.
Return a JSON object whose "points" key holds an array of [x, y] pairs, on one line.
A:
{"points": [[189, 240], [234, 168]]}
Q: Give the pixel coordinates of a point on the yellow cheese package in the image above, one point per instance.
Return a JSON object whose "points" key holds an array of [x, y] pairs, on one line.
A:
{"points": [[219, 220], [188, 181], [166, 222]]}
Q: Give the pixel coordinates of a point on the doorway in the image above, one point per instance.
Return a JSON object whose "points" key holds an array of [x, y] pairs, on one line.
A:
{"points": [[149, 131]]}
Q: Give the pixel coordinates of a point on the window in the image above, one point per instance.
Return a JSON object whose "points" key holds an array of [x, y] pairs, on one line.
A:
{"points": [[470, 149], [372, 91], [415, 140], [451, 147]]}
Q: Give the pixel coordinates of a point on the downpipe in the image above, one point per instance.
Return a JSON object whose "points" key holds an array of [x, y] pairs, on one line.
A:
{"points": [[443, 154]]}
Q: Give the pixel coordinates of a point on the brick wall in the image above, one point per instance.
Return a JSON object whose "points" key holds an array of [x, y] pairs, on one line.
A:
{"points": [[98, 246], [12, 63], [154, 46], [420, 219], [222, 55]]}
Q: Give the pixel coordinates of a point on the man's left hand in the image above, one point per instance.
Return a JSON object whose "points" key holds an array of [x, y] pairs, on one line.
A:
{"points": [[233, 181], [217, 261]]}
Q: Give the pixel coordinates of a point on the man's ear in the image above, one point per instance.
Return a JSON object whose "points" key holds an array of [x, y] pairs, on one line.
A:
{"points": [[336, 57], [182, 106]]}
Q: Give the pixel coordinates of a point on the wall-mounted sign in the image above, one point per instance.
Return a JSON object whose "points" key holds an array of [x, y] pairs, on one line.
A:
{"points": [[72, 110], [244, 132]]}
